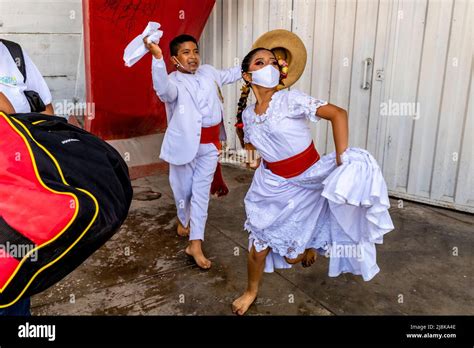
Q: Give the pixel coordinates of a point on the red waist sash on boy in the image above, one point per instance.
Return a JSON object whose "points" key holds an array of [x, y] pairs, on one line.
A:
{"points": [[294, 165], [210, 135]]}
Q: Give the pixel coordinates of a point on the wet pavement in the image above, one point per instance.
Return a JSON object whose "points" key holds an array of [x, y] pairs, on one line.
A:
{"points": [[426, 266]]}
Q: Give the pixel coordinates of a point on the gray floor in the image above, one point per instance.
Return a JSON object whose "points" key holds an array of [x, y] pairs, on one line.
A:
{"points": [[143, 269]]}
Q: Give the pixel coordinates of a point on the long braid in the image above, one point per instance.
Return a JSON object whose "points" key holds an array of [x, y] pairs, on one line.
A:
{"points": [[242, 104]]}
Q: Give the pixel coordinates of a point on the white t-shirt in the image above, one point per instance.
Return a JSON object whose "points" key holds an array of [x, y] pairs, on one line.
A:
{"points": [[12, 85]]}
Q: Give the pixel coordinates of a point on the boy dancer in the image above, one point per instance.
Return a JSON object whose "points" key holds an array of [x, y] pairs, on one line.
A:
{"points": [[191, 144]]}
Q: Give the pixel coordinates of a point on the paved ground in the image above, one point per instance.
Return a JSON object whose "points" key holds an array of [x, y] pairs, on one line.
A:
{"points": [[143, 269]]}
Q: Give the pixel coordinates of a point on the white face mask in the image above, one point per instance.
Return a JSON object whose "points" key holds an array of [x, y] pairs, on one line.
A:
{"points": [[268, 77]]}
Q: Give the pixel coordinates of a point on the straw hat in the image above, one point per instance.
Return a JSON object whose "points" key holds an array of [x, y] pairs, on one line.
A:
{"points": [[288, 47]]}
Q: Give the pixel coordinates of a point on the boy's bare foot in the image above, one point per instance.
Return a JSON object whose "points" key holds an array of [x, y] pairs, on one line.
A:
{"points": [[194, 250], [309, 257], [242, 304], [182, 231]]}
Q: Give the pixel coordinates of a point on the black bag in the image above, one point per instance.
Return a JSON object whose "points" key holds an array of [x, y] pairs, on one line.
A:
{"points": [[64, 192], [33, 97]]}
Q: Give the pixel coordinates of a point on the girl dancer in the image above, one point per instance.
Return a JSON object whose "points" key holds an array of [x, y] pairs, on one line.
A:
{"points": [[300, 204]]}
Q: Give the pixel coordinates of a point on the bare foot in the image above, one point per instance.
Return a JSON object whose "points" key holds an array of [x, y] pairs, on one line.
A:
{"points": [[182, 231], [309, 257], [298, 259], [242, 304], [194, 250]]}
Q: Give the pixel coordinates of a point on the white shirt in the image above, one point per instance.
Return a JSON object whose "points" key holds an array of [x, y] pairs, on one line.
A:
{"points": [[283, 130], [192, 102], [207, 95], [12, 85]]}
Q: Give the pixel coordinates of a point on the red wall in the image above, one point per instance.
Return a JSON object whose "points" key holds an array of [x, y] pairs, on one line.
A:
{"points": [[125, 102]]}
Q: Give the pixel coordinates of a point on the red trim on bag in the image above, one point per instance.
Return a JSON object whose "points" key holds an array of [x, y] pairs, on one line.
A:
{"points": [[8, 264], [26, 205]]}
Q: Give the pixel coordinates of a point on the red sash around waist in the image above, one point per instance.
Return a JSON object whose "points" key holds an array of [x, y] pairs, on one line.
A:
{"points": [[211, 135], [296, 164]]}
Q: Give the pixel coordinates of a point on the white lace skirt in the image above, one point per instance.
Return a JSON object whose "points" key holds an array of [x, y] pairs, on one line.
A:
{"points": [[341, 211]]}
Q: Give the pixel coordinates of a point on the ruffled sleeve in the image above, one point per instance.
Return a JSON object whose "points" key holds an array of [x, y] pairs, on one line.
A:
{"points": [[303, 105]]}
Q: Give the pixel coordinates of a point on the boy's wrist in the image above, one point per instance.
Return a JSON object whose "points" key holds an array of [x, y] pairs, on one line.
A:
{"points": [[158, 61]]}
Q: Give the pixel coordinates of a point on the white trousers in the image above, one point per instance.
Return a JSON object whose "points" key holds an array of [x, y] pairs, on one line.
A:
{"points": [[191, 185]]}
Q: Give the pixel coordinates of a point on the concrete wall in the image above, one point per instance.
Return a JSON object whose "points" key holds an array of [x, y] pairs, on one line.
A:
{"points": [[51, 33]]}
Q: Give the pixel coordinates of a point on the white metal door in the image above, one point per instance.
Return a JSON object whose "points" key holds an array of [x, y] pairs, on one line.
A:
{"points": [[422, 101]]}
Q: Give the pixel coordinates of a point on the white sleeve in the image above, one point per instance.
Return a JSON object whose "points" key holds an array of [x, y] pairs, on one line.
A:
{"points": [[303, 105], [230, 75], [35, 81], [164, 88]]}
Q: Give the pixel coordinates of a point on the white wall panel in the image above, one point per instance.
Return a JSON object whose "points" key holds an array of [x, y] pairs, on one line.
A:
{"points": [[422, 60]]}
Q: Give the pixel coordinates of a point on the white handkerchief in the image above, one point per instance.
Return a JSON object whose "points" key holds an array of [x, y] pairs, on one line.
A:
{"points": [[135, 50]]}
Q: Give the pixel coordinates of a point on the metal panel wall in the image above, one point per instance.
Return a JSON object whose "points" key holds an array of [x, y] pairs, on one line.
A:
{"points": [[422, 54]]}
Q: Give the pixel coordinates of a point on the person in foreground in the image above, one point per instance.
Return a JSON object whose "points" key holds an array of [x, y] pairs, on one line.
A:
{"points": [[300, 204]]}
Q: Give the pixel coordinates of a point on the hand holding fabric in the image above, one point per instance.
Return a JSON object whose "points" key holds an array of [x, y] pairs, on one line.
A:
{"points": [[136, 49]]}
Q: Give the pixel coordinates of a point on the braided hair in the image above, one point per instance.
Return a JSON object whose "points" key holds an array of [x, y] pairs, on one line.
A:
{"points": [[242, 104]]}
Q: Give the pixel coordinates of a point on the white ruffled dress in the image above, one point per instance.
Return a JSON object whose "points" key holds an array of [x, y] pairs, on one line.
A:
{"points": [[341, 211]]}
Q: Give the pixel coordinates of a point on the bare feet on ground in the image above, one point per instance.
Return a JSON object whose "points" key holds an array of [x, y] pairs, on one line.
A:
{"points": [[195, 251], [242, 304], [307, 258], [182, 231]]}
